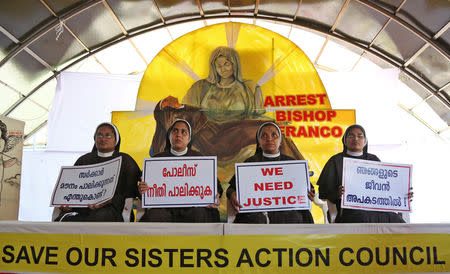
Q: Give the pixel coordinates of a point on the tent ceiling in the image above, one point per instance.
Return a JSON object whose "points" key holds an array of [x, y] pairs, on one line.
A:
{"points": [[38, 39]]}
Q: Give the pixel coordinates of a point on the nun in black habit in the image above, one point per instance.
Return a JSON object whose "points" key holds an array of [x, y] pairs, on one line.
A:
{"points": [[178, 143], [330, 181], [268, 141], [106, 147]]}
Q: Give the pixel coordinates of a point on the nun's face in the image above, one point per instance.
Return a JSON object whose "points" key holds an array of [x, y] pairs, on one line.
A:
{"points": [[270, 139], [355, 140], [179, 136], [105, 141]]}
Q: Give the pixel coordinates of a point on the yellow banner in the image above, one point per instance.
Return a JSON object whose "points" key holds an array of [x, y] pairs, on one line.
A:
{"points": [[364, 253]]}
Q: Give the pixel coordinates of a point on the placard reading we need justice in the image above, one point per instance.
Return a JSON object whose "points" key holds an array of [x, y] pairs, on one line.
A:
{"points": [[271, 186]]}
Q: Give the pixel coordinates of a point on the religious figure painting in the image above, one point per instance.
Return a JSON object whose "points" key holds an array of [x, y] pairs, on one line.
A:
{"points": [[223, 107]]}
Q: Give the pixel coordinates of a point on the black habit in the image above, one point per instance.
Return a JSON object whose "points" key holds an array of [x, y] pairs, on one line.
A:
{"points": [[183, 214], [275, 217]]}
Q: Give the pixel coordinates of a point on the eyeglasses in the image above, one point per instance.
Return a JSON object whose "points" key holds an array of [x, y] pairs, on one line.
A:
{"points": [[352, 136], [100, 136]]}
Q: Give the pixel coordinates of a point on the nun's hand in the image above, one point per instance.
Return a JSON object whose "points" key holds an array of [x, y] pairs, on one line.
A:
{"points": [[311, 194], [234, 202], [142, 187], [170, 101], [341, 190], [410, 194], [65, 208], [100, 205], [217, 202]]}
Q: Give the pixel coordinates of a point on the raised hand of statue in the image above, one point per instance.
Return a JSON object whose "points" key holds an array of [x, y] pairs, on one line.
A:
{"points": [[170, 101]]}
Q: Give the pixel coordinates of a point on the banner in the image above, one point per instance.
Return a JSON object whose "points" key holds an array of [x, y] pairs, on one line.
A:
{"points": [[81, 186], [180, 181], [226, 80], [372, 185], [265, 186], [11, 144], [356, 248]]}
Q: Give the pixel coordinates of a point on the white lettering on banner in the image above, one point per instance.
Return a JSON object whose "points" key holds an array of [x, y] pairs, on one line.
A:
{"points": [[372, 185], [180, 181], [266, 186], [89, 184]]}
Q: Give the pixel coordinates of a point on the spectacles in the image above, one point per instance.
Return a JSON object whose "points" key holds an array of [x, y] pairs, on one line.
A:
{"points": [[352, 136], [107, 136]]}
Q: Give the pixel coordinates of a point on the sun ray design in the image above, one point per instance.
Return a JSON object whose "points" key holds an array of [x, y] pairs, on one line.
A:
{"points": [[178, 62], [275, 68], [232, 32]]}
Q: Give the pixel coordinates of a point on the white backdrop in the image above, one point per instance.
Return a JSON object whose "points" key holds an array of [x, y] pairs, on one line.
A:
{"points": [[84, 100]]}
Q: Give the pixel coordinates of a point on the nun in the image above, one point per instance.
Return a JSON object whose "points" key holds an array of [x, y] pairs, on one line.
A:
{"points": [[330, 182], [178, 143], [268, 141], [106, 147]]}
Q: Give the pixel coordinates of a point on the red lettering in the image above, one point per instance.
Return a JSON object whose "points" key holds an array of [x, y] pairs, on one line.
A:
{"points": [[331, 114], [323, 133], [267, 201], [278, 171], [267, 171], [290, 131], [259, 186], [321, 98], [301, 99], [268, 102], [311, 99], [320, 116], [297, 116], [301, 199], [290, 100], [277, 199], [280, 116], [308, 115], [294, 100], [302, 132], [288, 185], [313, 131], [278, 185], [269, 186], [336, 132], [279, 101], [291, 200]]}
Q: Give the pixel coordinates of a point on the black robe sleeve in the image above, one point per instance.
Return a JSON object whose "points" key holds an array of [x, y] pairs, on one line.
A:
{"points": [[329, 179]]}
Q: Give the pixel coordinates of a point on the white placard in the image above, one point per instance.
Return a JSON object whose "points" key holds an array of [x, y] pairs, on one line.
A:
{"points": [[376, 186], [180, 181], [272, 186], [81, 186]]}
